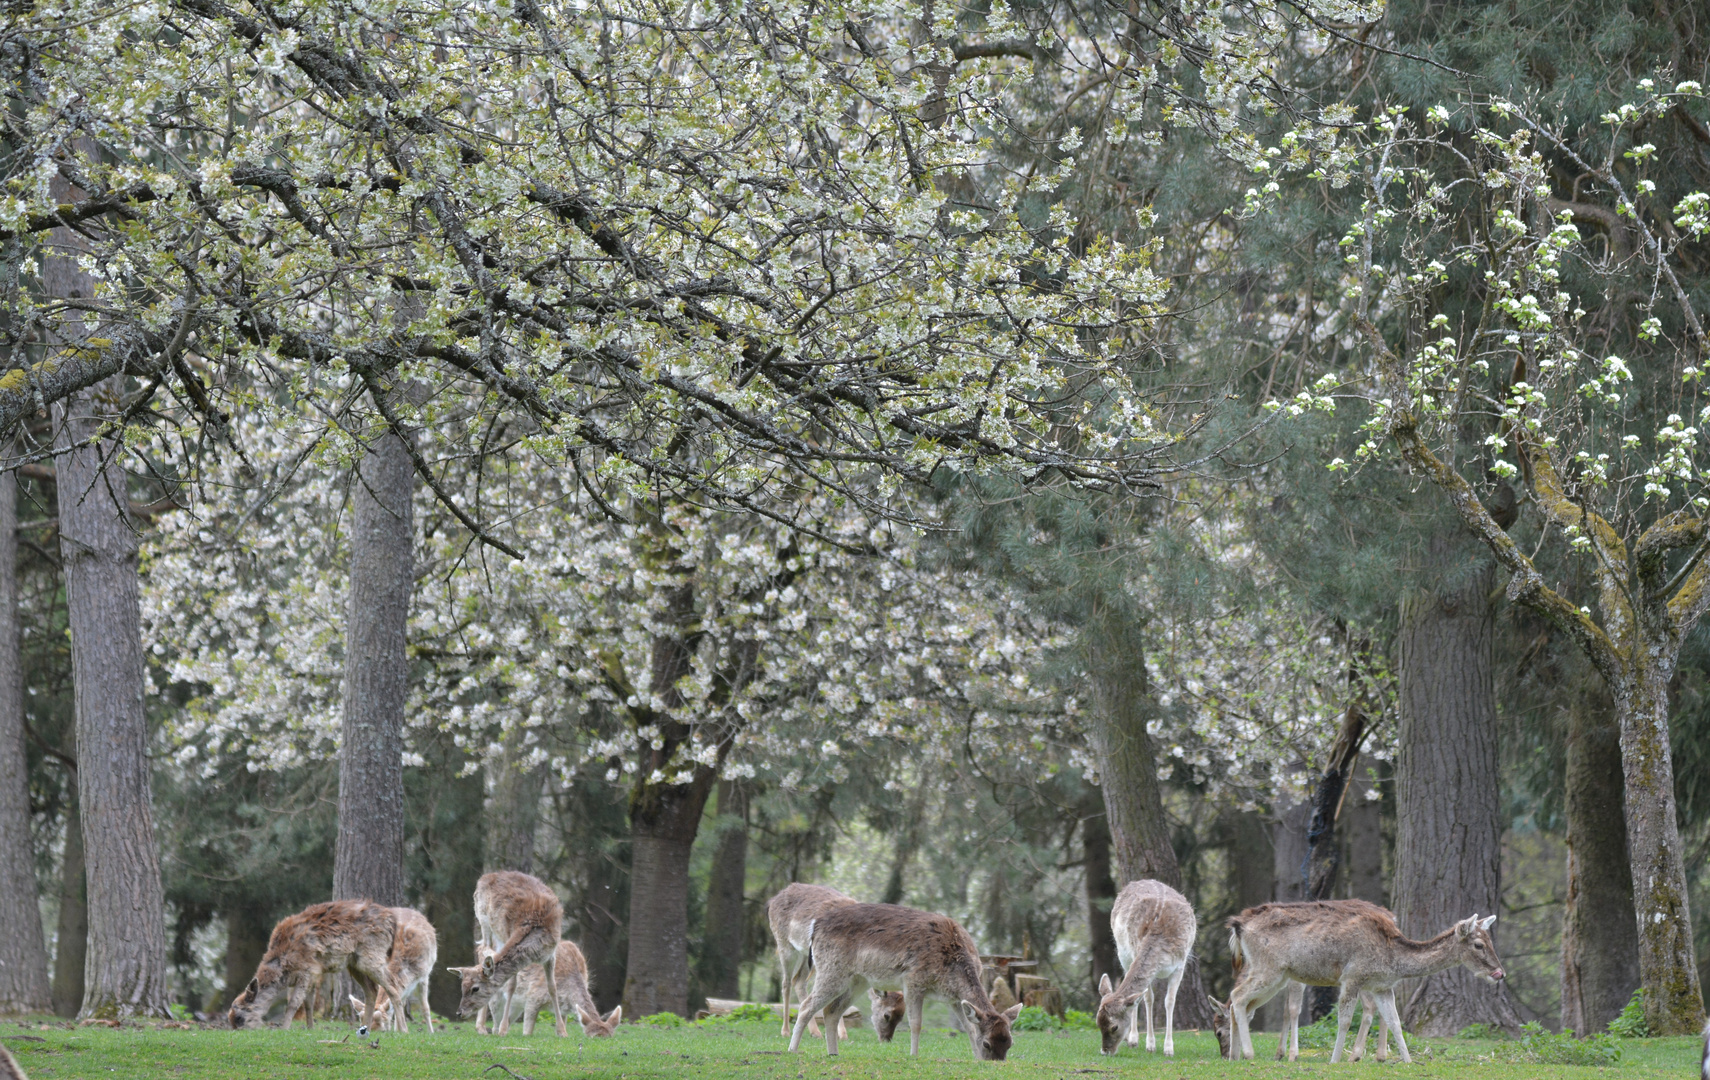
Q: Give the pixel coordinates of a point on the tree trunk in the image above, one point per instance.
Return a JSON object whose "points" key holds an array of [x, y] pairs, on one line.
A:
{"points": [[1600, 937], [1362, 819], [125, 971], [72, 938], [663, 824], [1101, 892], [452, 861], [726, 920], [1128, 775], [515, 809], [1288, 874], [369, 859], [908, 844], [247, 931], [1448, 849], [24, 986], [1667, 967]]}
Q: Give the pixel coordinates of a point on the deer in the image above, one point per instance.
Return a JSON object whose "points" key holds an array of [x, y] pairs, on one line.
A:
{"points": [[521, 923], [351, 935], [1350, 944], [572, 979], [1154, 927], [886, 945], [790, 912], [414, 953]]}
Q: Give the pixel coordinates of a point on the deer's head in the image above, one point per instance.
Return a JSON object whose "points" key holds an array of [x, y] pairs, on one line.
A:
{"points": [[596, 1026], [1220, 1025], [382, 1008], [1115, 1015], [477, 984], [887, 1011], [1479, 948], [988, 1030], [250, 1008]]}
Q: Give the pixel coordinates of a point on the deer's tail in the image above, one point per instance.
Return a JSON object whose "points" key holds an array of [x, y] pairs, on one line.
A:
{"points": [[1237, 947]]}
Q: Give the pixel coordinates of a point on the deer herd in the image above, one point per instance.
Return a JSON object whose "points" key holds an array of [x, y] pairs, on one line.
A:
{"points": [[835, 947]]}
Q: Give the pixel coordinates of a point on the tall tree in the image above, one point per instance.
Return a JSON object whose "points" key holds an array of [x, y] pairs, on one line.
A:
{"points": [[726, 923], [71, 934], [369, 857], [513, 812], [1449, 840], [125, 968], [23, 950], [1100, 891]]}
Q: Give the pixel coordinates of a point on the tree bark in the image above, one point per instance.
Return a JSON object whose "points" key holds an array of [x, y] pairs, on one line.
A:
{"points": [[908, 844], [452, 858], [1288, 880], [1448, 849], [125, 972], [662, 830], [1101, 892], [72, 937], [24, 986], [1600, 937], [515, 809], [726, 919], [368, 862], [1128, 775]]}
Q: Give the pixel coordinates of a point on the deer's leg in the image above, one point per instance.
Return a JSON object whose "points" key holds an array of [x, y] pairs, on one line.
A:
{"points": [[1144, 1001], [1344, 1014], [551, 966], [427, 1014], [914, 1003], [1382, 1037], [784, 982], [823, 991], [1244, 1001], [1386, 1009], [1170, 1011], [1288, 1043], [834, 1028], [1368, 1010], [293, 1002]]}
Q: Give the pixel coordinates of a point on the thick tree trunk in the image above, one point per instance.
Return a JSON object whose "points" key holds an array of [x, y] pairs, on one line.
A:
{"points": [[1668, 969], [514, 811], [247, 931], [1448, 848], [726, 920], [368, 862], [602, 932], [1600, 937], [662, 829], [451, 849], [1288, 879], [1128, 775], [1101, 892], [24, 986], [72, 936]]}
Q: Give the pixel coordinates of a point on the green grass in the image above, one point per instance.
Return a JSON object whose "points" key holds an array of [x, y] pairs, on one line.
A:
{"points": [[53, 1050]]}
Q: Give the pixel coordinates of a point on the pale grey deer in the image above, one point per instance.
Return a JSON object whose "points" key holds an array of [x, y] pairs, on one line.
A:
{"points": [[1349, 944], [1154, 927]]}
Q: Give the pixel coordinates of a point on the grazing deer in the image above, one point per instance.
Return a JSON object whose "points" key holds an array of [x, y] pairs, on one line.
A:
{"points": [[521, 922], [1154, 927], [1348, 944], [414, 953], [790, 912], [572, 969], [353, 935], [888, 945]]}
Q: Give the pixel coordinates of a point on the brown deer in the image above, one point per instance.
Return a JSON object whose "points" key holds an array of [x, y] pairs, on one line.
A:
{"points": [[1349, 944], [414, 952], [1154, 927], [1288, 1044], [890, 945], [572, 969], [790, 912], [352, 935], [521, 922]]}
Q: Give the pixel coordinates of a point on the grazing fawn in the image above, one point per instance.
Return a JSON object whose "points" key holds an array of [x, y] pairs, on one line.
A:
{"points": [[414, 953], [353, 935], [1154, 927], [521, 922], [889, 945], [1348, 944], [790, 912], [572, 979]]}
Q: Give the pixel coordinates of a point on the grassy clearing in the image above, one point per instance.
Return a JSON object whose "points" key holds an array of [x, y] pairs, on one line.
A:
{"points": [[50, 1050]]}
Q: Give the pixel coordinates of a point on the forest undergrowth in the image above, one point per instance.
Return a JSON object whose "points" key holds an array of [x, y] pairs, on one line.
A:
{"points": [[54, 1050]]}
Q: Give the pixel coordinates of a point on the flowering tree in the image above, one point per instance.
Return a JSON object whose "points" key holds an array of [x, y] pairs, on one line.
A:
{"points": [[1604, 444]]}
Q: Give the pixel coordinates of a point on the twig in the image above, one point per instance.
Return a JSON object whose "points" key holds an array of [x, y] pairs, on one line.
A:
{"points": [[508, 1072]]}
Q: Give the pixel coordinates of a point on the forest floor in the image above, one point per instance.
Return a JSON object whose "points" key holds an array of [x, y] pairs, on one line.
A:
{"points": [[54, 1050]]}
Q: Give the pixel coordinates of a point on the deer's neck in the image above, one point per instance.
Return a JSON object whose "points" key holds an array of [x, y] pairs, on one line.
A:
{"points": [[1419, 958]]}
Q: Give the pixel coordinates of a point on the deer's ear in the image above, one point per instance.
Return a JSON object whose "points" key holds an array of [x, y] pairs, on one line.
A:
{"points": [[875, 997], [969, 1012], [1219, 1007], [486, 965], [587, 1018], [1487, 923], [253, 988], [1104, 985], [1012, 1012], [615, 1016]]}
